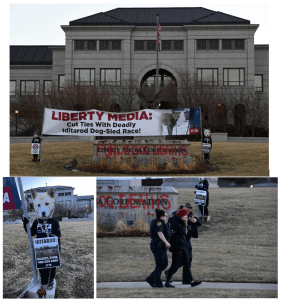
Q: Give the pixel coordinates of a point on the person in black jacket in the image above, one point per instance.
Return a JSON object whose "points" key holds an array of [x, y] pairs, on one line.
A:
{"points": [[204, 185], [36, 139], [178, 246], [41, 228], [192, 232], [159, 244]]}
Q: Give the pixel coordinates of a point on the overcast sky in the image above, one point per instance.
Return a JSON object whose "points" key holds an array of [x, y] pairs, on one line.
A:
{"points": [[83, 186], [39, 24]]}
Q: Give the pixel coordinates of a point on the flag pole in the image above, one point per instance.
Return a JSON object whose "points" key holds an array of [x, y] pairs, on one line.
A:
{"points": [[157, 64], [28, 231]]}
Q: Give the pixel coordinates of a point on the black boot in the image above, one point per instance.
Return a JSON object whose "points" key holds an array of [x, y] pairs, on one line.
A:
{"points": [[168, 285], [195, 283]]}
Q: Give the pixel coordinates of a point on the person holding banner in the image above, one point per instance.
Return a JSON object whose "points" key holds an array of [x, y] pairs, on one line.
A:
{"points": [[159, 244]]}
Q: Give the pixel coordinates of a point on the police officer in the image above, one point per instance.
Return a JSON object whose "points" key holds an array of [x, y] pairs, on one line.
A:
{"points": [[178, 245], [192, 232], [36, 139], [159, 244]]}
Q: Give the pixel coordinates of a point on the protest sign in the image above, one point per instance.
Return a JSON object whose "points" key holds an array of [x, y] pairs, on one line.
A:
{"points": [[47, 254], [35, 148], [147, 122], [200, 197]]}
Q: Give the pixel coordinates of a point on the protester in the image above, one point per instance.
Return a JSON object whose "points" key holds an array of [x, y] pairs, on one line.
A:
{"points": [[178, 247], [204, 185], [159, 244], [36, 139]]}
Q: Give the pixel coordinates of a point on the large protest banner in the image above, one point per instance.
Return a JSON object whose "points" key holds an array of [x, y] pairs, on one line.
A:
{"points": [[147, 122], [11, 199]]}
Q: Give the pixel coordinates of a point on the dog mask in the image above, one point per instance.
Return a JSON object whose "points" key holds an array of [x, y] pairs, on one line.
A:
{"points": [[207, 132], [44, 204]]}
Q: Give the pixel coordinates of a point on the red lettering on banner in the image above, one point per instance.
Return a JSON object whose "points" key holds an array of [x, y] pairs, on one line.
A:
{"points": [[143, 116], [134, 201], [8, 199], [82, 115], [74, 117]]}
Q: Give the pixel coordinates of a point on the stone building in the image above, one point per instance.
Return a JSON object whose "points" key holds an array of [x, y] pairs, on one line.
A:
{"points": [[65, 196], [110, 47]]}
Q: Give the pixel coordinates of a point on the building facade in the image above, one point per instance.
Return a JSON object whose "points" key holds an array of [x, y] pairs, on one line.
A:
{"points": [[64, 195], [119, 45]]}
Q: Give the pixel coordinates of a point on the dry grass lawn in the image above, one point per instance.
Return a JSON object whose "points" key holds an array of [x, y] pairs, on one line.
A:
{"points": [[233, 159], [75, 277], [239, 244]]}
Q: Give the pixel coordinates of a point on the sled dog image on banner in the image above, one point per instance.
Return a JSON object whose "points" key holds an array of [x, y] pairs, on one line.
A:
{"points": [[169, 120]]}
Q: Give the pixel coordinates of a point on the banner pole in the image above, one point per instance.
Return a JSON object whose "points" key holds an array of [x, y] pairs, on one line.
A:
{"points": [[201, 132], [24, 206], [157, 63]]}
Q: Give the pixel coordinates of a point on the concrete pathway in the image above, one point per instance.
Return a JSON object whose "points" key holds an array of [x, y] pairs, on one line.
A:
{"points": [[204, 285]]}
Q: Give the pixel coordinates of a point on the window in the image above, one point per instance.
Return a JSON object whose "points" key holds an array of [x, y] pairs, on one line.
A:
{"points": [[172, 45], [12, 87], [30, 87], [60, 194], [108, 45], [84, 76], [85, 45], [237, 44], [110, 76], [145, 45], [68, 194], [61, 83], [207, 44], [207, 76], [258, 83], [234, 77], [47, 87]]}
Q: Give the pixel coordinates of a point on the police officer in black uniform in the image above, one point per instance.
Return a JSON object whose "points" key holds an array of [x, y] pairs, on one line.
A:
{"points": [[159, 244], [43, 228], [192, 232], [178, 246], [36, 139]]}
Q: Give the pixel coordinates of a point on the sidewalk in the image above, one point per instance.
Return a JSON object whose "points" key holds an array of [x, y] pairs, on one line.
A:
{"points": [[178, 284]]}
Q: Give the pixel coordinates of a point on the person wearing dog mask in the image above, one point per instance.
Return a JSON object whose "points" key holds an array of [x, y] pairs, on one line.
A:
{"points": [[45, 226], [159, 244], [178, 247]]}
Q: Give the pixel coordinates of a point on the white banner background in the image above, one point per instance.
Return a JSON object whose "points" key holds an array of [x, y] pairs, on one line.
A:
{"points": [[145, 122]]}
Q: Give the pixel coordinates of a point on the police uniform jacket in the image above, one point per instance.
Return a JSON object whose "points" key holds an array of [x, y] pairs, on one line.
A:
{"points": [[158, 225], [178, 240]]}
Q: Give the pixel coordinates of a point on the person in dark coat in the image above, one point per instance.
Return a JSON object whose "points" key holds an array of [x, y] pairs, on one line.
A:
{"points": [[204, 185], [178, 247], [42, 228], [36, 139], [192, 232], [159, 234]]}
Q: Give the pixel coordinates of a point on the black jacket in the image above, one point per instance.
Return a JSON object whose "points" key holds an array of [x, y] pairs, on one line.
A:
{"points": [[158, 225], [178, 239], [192, 228], [41, 230]]}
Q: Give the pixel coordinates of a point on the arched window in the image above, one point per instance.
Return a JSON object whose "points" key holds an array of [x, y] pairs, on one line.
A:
{"points": [[114, 107], [239, 117], [221, 117]]}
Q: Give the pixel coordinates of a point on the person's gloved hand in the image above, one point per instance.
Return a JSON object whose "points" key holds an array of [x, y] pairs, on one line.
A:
{"points": [[25, 220]]}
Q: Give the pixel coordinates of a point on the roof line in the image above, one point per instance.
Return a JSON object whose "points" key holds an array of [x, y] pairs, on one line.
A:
{"points": [[114, 17], [208, 15]]}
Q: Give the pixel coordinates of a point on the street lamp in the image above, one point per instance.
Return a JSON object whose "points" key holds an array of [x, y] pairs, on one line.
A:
{"points": [[16, 112]]}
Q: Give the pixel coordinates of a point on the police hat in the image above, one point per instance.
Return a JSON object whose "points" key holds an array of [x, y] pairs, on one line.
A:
{"points": [[188, 205]]}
